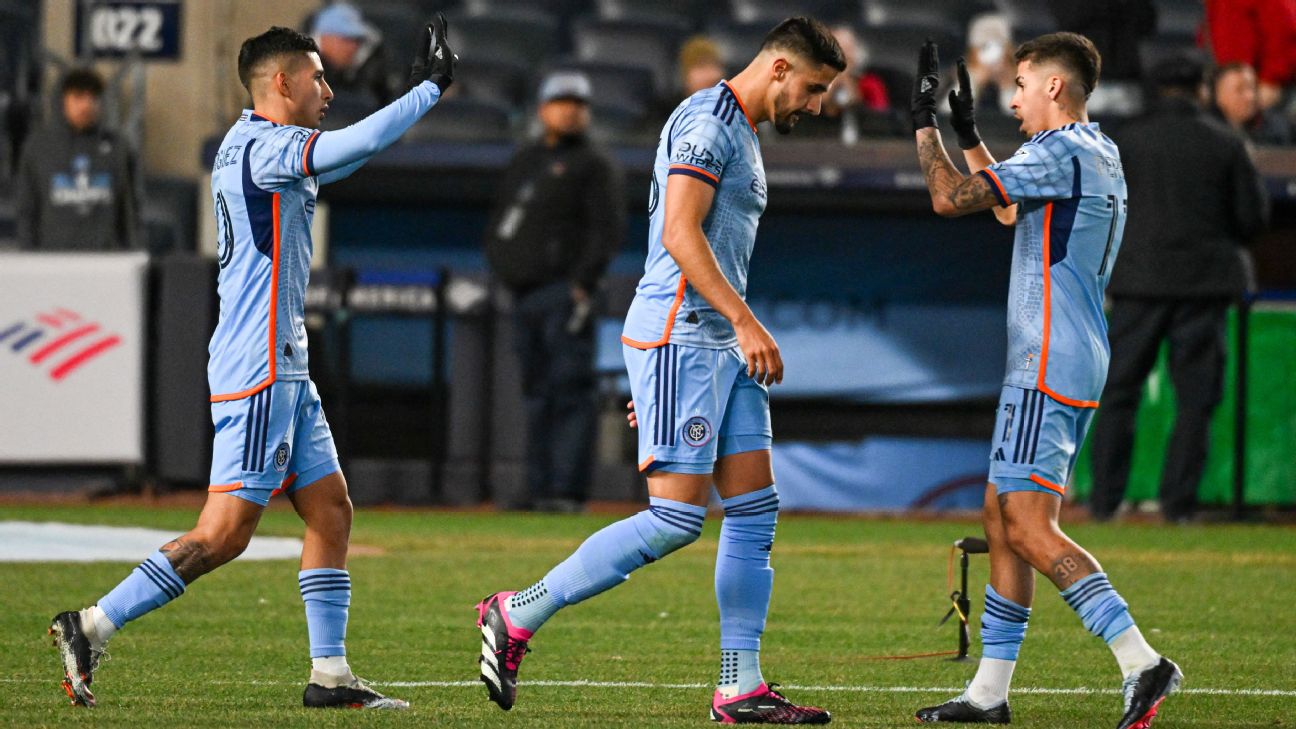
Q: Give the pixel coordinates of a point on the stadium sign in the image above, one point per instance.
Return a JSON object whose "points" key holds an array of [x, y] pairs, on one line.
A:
{"points": [[116, 28], [72, 358]]}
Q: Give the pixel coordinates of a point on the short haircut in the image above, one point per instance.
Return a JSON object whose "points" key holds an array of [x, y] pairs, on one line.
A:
{"points": [[808, 38], [1072, 51], [82, 81], [1230, 67], [278, 41]]}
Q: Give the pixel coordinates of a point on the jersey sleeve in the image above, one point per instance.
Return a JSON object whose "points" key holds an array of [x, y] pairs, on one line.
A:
{"points": [[1038, 171], [699, 147], [282, 156]]}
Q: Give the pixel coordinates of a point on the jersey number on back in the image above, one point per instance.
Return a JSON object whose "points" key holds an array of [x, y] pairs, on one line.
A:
{"points": [[1117, 207]]}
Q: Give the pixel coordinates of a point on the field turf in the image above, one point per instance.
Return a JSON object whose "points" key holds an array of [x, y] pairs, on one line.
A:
{"points": [[232, 651]]}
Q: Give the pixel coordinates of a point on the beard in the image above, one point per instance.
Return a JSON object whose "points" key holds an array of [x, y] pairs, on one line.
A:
{"points": [[784, 125]]}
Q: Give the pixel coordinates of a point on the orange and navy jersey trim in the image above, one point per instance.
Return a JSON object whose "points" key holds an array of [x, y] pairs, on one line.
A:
{"points": [[996, 187], [670, 320], [733, 99], [1041, 378], [1037, 479], [695, 172]]}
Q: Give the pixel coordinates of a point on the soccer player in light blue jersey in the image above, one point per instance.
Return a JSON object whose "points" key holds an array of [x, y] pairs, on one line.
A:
{"points": [[1065, 191], [700, 365], [271, 434]]}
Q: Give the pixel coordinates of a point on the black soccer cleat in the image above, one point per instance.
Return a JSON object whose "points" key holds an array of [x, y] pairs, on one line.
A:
{"points": [[1144, 691], [764, 706], [503, 648], [352, 693], [962, 711], [79, 659]]}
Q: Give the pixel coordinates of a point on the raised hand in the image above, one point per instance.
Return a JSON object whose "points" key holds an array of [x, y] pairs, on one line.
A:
{"points": [[434, 61], [923, 104], [963, 110]]}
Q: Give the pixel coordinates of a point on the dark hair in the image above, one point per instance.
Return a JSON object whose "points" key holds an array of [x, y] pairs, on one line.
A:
{"points": [[1178, 72], [277, 41], [1073, 51], [808, 38], [82, 80], [1224, 70]]}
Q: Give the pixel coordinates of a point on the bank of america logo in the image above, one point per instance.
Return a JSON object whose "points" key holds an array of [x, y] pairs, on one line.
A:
{"points": [[59, 342]]}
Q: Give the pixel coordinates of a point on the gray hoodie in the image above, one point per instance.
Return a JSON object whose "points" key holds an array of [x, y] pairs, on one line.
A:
{"points": [[76, 191]]}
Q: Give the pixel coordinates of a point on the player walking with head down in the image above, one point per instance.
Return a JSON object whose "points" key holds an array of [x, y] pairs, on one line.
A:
{"points": [[1068, 186], [271, 435], [700, 365]]}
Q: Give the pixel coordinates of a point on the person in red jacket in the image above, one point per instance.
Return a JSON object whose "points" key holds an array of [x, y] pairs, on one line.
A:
{"points": [[1260, 33]]}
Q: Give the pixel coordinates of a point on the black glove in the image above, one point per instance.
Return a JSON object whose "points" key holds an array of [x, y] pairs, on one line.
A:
{"points": [[434, 61], [963, 110], [923, 104]]}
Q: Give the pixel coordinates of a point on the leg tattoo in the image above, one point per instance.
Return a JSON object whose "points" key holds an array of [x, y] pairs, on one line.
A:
{"points": [[190, 560]]}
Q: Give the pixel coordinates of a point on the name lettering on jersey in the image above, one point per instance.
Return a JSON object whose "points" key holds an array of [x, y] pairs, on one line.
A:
{"points": [[227, 156], [692, 153], [1111, 166]]}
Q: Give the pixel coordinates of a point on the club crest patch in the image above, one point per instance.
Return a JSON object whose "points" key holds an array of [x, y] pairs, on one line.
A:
{"points": [[281, 457], [697, 431]]}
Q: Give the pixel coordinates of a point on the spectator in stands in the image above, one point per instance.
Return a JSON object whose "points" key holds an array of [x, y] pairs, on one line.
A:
{"points": [[1236, 96], [700, 65], [76, 183], [1194, 199], [989, 64], [558, 219], [352, 53], [1259, 33]]}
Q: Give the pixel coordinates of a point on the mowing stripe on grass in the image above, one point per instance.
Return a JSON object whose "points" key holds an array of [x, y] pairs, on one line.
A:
{"points": [[794, 687]]}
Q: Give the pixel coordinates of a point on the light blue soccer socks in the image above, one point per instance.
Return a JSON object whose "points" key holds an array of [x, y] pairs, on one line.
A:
{"points": [[1003, 628], [326, 593], [1106, 614], [743, 583], [148, 587], [1101, 609], [607, 558]]}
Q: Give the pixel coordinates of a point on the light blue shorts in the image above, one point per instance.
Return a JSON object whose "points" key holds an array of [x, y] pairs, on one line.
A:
{"points": [[272, 442], [695, 406], [1036, 441]]}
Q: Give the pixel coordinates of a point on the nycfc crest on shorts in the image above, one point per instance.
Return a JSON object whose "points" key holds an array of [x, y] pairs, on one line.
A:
{"points": [[281, 457], [697, 431]]}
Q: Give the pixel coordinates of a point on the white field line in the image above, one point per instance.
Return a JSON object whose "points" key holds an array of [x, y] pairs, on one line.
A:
{"points": [[794, 687]]}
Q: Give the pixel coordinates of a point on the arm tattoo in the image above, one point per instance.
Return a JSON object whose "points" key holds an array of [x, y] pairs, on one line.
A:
{"points": [[190, 560], [963, 194]]}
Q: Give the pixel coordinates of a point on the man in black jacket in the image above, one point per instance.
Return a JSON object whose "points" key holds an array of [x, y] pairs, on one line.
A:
{"points": [[559, 218], [76, 180], [1195, 199]]}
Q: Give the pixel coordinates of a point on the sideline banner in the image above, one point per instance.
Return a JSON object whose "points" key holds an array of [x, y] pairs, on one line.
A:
{"points": [[72, 357]]}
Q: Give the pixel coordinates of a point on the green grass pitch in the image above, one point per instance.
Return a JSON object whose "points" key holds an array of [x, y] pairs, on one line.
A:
{"points": [[232, 651]]}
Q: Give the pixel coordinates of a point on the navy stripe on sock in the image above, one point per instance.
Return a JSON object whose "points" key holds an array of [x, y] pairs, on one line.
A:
{"points": [[1088, 592], [325, 589], [153, 573], [695, 531], [326, 583], [995, 611], [170, 579], [760, 506], [678, 513]]}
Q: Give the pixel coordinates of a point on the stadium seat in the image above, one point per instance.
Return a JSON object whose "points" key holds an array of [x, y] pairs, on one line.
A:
{"points": [[738, 44], [499, 82], [696, 12], [772, 12], [524, 37], [400, 25], [564, 10], [624, 104], [1029, 18], [943, 16], [1178, 19], [459, 119], [647, 44], [896, 47]]}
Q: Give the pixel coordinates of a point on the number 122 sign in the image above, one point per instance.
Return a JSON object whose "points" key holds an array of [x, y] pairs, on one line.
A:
{"points": [[114, 28]]}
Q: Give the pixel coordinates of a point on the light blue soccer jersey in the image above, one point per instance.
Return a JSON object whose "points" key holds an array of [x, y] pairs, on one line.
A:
{"points": [[709, 138], [1070, 189], [264, 181]]}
